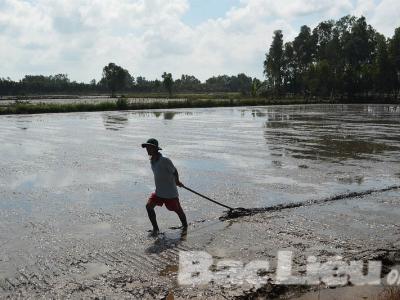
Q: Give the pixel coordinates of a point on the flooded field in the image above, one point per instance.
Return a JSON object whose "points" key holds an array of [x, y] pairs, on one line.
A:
{"points": [[73, 189], [84, 99]]}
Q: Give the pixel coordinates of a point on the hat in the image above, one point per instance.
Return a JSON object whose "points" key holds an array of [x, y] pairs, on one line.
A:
{"points": [[151, 142]]}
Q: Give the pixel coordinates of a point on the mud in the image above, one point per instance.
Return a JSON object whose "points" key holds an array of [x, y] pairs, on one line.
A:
{"points": [[73, 189], [242, 212]]}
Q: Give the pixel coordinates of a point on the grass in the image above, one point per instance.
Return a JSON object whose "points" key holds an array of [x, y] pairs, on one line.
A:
{"points": [[27, 108], [125, 104], [189, 96]]}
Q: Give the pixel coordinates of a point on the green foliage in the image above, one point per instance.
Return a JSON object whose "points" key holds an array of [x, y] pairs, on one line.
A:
{"points": [[303, 48], [60, 84], [27, 108], [188, 83], [394, 57], [122, 103], [40, 84], [320, 78], [116, 78], [167, 82], [241, 83], [274, 62], [345, 58], [255, 87]]}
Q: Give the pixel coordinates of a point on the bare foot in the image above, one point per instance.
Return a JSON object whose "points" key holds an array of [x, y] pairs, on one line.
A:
{"points": [[154, 232]]}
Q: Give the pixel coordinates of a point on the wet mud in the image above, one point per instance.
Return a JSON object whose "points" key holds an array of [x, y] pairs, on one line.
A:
{"points": [[242, 212], [73, 189]]}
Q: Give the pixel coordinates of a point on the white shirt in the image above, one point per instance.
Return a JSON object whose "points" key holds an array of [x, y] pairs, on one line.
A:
{"points": [[164, 178]]}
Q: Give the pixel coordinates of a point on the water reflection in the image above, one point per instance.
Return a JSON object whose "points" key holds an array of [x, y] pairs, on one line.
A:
{"points": [[378, 111], [359, 179], [212, 149], [169, 115], [115, 121], [333, 136], [157, 114], [277, 124], [23, 122], [326, 147], [118, 121], [258, 113]]}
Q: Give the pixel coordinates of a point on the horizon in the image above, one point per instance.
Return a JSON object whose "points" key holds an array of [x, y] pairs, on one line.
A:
{"points": [[150, 37]]}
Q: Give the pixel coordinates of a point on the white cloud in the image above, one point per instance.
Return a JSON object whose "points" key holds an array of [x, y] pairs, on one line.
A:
{"points": [[148, 37], [385, 17]]}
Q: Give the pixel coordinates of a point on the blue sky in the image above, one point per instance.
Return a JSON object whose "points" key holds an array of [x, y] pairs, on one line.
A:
{"points": [[202, 10], [147, 37]]}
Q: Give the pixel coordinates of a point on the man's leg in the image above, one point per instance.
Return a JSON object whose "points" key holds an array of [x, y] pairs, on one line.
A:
{"points": [[182, 217], [152, 216], [174, 205]]}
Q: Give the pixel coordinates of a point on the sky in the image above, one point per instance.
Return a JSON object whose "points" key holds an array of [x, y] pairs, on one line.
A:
{"points": [[148, 37]]}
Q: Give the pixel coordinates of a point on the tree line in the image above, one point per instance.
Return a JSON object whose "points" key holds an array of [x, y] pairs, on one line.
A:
{"points": [[116, 79], [347, 58]]}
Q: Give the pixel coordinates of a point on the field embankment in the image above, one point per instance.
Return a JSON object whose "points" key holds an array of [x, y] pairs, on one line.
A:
{"points": [[110, 104]]}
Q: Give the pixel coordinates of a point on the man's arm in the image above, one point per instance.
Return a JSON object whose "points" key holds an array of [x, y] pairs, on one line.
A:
{"points": [[178, 183], [174, 171]]}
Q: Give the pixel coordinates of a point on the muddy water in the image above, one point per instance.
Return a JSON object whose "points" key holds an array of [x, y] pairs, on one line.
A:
{"points": [[243, 156], [74, 183]]}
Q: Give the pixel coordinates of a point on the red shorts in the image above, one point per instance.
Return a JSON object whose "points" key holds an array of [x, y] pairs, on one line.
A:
{"points": [[171, 204]]}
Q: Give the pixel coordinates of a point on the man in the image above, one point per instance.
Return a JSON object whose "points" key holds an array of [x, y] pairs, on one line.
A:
{"points": [[166, 179]]}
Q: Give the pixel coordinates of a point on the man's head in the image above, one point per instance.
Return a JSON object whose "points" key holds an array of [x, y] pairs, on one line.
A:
{"points": [[151, 146]]}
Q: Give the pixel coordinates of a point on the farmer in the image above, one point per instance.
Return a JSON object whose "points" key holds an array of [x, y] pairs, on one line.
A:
{"points": [[166, 179]]}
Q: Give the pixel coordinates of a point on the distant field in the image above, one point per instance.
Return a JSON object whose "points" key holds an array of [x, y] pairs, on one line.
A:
{"points": [[85, 100], [132, 98], [108, 104]]}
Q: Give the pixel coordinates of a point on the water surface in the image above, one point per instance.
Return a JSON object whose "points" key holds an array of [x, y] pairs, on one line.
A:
{"points": [[77, 183], [241, 156]]}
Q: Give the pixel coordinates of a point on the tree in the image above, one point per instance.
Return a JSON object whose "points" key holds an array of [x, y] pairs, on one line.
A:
{"points": [[346, 57], [255, 87], [7, 86], [240, 83], [358, 52], [320, 79], [304, 47], [188, 83], [290, 70], [116, 78], [274, 63], [384, 70], [218, 83], [141, 84], [322, 36], [337, 51], [394, 56], [168, 82]]}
